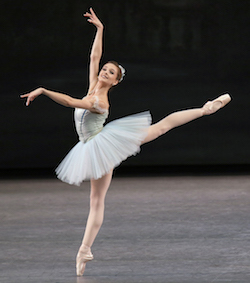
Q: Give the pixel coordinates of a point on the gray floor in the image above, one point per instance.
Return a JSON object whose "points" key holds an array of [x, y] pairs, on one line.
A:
{"points": [[156, 229]]}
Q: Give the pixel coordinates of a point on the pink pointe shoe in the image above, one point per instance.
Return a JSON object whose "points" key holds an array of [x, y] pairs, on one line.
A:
{"points": [[212, 106], [83, 256]]}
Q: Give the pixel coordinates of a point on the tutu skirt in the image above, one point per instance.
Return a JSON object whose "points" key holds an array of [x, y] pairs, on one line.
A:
{"points": [[117, 141]]}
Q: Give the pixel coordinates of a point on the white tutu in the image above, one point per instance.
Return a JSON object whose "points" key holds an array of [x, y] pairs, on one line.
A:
{"points": [[117, 141]]}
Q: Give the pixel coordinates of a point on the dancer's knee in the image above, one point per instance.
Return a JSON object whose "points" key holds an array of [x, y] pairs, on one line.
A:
{"points": [[96, 201], [155, 131], [161, 128]]}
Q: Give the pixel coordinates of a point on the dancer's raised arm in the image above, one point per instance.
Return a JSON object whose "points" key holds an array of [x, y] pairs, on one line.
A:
{"points": [[88, 102], [96, 51]]}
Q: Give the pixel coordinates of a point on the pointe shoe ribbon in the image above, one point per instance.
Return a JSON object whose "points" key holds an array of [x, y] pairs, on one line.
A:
{"points": [[82, 258], [212, 106]]}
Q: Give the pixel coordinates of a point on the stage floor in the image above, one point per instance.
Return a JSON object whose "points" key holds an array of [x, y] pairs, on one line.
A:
{"points": [[156, 229]]}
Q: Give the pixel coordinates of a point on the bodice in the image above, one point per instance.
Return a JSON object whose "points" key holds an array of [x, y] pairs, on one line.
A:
{"points": [[88, 124]]}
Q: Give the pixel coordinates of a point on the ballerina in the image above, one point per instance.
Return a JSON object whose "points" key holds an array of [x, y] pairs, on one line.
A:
{"points": [[101, 148]]}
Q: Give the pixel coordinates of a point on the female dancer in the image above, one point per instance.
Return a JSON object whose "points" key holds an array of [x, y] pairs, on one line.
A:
{"points": [[100, 149]]}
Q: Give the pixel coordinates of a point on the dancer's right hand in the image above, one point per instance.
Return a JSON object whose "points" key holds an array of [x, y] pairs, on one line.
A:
{"points": [[32, 95], [92, 18]]}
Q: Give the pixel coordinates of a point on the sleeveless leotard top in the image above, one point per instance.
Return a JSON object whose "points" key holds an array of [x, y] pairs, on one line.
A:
{"points": [[89, 124]]}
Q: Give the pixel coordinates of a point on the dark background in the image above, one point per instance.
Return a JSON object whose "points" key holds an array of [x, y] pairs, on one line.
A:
{"points": [[177, 53]]}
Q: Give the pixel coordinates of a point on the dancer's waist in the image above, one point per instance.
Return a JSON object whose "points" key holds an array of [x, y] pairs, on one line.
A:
{"points": [[87, 136]]}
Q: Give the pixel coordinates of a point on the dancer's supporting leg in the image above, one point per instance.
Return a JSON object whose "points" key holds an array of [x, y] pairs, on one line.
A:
{"points": [[99, 190], [182, 117]]}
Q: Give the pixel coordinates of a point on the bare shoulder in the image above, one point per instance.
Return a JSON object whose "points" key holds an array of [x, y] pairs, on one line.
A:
{"points": [[102, 104], [99, 106]]}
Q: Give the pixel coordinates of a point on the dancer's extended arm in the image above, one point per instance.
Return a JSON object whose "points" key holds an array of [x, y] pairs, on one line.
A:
{"points": [[87, 102], [96, 51]]}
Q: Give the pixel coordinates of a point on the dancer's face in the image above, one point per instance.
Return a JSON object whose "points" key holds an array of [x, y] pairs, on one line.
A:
{"points": [[109, 74]]}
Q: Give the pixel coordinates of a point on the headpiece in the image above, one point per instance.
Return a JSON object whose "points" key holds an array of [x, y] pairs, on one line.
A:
{"points": [[123, 73]]}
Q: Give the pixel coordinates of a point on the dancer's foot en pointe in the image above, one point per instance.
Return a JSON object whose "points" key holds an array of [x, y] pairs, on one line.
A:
{"points": [[212, 106], [83, 256]]}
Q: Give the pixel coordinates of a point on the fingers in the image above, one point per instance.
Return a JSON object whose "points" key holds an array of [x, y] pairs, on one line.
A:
{"points": [[28, 98], [87, 14], [92, 12], [28, 102], [90, 15]]}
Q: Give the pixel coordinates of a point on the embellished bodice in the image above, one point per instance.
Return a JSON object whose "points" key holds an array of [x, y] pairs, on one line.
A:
{"points": [[88, 124]]}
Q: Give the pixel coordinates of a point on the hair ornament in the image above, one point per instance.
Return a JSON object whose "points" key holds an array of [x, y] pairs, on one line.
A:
{"points": [[123, 73]]}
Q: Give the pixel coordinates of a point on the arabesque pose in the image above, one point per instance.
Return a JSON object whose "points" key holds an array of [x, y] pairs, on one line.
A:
{"points": [[101, 148]]}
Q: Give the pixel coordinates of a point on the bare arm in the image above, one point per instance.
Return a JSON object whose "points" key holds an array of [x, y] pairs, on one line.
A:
{"points": [[95, 57], [96, 51], [66, 100]]}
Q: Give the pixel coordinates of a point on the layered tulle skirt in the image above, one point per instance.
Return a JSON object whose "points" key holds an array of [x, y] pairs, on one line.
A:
{"points": [[117, 141]]}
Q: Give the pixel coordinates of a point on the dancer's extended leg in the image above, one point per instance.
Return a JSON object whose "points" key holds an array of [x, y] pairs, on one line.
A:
{"points": [[99, 190], [182, 117], [171, 121]]}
